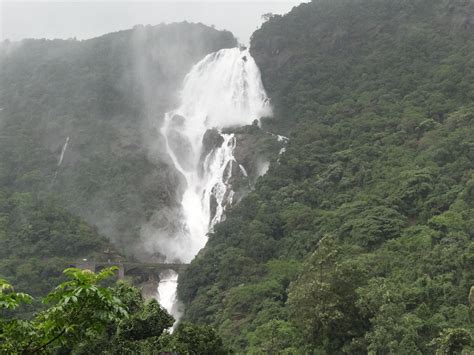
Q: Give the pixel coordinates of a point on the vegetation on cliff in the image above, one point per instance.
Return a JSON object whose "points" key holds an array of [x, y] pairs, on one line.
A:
{"points": [[360, 240], [106, 98], [77, 147]]}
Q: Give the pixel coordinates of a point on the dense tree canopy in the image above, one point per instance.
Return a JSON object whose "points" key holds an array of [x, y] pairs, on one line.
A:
{"points": [[84, 317], [360, 238], [75, 145]]}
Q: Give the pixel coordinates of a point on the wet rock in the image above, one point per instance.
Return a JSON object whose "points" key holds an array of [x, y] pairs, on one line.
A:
{"points": [[211, 140], [213, 206]]}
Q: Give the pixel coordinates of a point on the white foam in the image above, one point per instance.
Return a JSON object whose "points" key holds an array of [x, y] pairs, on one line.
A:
{"points": [[221, 91]]}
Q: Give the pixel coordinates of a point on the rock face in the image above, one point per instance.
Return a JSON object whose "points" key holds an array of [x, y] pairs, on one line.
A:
{"points": [[212, 139], [254, 151]]}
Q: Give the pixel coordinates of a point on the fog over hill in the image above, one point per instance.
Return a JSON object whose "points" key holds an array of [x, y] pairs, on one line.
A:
{"points": [[61, 19]]}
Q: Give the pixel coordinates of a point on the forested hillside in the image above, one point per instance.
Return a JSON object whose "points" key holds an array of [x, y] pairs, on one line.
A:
{"points": [[360, 239], [102, 102], [79, 154]]}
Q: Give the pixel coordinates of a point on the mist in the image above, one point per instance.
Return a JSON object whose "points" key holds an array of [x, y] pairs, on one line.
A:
{"points": [[159, 64], [144, 67], [83, 20]]}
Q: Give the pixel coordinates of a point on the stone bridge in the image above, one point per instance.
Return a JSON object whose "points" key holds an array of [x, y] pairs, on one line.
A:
{"points": [[125, 269]]}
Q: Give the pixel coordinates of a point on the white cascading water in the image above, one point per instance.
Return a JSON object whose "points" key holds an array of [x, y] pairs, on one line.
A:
{"points": [[167, 293], [61, 157], [63, 150], [223, 90]]}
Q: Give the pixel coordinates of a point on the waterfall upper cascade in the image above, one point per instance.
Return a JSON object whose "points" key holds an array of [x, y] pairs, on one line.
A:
{"points": [[223, 90]]}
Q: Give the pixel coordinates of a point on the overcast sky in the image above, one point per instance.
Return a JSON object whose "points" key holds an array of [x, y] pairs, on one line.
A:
{"points": [[87, 19]]}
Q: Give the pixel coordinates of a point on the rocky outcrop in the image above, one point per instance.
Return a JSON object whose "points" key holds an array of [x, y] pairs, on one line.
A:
{"points": [[211, 140], [254, 151]]}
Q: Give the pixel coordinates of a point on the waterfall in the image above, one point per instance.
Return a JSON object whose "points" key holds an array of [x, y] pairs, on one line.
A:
{"points": [[167, 296], [60, 161], [63, 150], [223, 90]]}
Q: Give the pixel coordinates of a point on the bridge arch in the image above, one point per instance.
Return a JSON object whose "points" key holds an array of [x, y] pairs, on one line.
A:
{"points": [[151, 270]]}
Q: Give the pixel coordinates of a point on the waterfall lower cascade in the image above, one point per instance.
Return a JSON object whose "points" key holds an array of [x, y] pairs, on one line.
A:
{"points": [[167, 292], [223, 90]]}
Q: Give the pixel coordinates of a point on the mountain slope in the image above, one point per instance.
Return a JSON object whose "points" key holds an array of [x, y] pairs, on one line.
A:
{"points": [[361, 238], [79, 120]]}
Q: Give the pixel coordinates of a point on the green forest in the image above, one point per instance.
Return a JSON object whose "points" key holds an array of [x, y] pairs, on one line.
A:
{"points": [[358, 240], [94, 93], [361, 239], [84, 316]]}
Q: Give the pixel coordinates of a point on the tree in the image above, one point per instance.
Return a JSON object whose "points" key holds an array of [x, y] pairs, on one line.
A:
{"points": [[197, 339], [80, 308], [452, 341], [85, 317], [322, 300], [267, 16]]}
